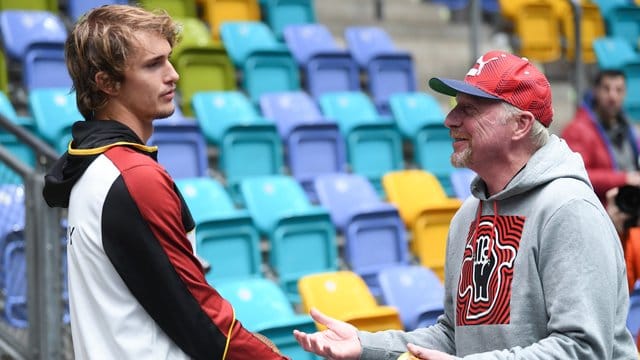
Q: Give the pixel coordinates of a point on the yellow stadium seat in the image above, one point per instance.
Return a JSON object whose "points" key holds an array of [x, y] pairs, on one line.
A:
{"points": [[426, 211], [215, 12], [345, 296], [538, 30], [592, 27]]}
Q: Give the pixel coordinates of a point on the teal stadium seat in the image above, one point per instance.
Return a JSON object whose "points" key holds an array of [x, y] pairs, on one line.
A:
{"points": [[374, 144], [225, 236], [263, 307], [421, 120], [54, 111], [279, 14], [248, 145], [301, 236], [20, 150], [265, 64], [202, 64]]}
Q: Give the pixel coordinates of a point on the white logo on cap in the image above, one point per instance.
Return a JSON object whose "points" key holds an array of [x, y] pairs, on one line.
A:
{"points": [[481, 63]]}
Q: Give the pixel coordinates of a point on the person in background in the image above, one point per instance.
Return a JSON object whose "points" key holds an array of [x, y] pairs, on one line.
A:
{"points": [[136, 288], [600, 131], [534, 266]]}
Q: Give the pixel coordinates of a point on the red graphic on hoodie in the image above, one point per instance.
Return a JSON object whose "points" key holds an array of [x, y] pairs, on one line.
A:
{"points": [[484, 287]]}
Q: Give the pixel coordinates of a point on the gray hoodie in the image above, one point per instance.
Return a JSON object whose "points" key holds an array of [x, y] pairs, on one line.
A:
{"points": [[554, 285]]}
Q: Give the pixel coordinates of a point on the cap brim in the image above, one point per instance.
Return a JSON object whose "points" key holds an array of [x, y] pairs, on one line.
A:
{"points": [[452, 87]]}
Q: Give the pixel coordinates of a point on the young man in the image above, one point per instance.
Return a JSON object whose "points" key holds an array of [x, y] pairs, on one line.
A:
{"points": [[534, 268], [602, 134], [136, 289]]}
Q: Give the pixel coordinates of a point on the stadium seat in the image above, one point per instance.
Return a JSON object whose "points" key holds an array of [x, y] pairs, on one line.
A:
{"points": [[12, 210], [461, 182], [374, 145], [35, 40], [535, 27], [202, 64], [265, 64], [345, 296], [294, 227], [222, 230], [54, 111], [388, 69], [633, 318], [46, 5], [279, 14], [374, 233], [217, 12], [325, 66], [182, 149], [591, 27], [263, 307], [314, 144], [624, 22], [426, 211], [415, 291], [75, 8], [248, 145], [19, 149], [176, 8], [421, 120]]}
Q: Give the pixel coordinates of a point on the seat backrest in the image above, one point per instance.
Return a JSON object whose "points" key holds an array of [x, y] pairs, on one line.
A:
{"points": [[411, 191], [48, 5], [415, 110], [217, 111], [280, 14], [342, 194], [217, 12], [206, 198], [367, 42], [75, 8], [182, 148], [461, 182], [241, 38], [613, 52], [348, 108], [624, 22], [12, 209], [14, 270], [289, 109], [413, 290], [22, 30], [538, 30], [175, 8], [270, 198], [54, 110], [305, 41], [336, 294], [195, 34]]}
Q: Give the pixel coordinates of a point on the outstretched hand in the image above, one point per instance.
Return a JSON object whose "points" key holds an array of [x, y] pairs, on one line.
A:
{"points": [[338, 342]]}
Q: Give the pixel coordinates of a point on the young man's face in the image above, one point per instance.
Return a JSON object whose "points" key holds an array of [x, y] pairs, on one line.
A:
{"points": [[609, 95], [479, 132], [149, 84]]}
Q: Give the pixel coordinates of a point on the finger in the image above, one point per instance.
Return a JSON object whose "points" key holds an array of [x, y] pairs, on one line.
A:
{"points": [[323, 319]]}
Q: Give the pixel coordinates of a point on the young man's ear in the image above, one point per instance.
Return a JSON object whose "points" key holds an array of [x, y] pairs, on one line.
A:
{"points": [[107, 84]]}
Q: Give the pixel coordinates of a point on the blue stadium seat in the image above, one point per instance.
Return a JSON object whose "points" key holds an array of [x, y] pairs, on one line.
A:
{"points": [[35, 39], [314, 144], [373, 230], [265, 64], [221, 230], [182, 149], [54, 111], [633, 318], [294, 227], [263, 307], [421, 120], [279, 14], [388, 69], [461, 182], [374, 145], [326, 67], [12, 210], [248, 144], [75, 8], [415, 291]]}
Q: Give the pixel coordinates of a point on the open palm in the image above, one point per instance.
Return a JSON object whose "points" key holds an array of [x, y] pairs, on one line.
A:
{"points": [[338, 342]]}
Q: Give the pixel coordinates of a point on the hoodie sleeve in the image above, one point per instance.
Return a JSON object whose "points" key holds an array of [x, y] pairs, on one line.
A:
{"points": [[145, 239]]}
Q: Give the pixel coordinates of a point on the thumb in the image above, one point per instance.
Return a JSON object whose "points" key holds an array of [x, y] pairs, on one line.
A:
{"points": [[323, 319]]}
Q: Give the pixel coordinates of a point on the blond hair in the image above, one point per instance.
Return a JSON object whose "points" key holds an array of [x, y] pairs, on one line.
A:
{"points": [[102, 40]]}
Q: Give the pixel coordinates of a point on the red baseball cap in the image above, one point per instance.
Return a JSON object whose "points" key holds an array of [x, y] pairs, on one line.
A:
{"points": [[503, 76]]}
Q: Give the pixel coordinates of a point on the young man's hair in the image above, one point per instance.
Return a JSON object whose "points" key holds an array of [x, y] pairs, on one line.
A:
{"points": [[102, 40], [597, 80]]}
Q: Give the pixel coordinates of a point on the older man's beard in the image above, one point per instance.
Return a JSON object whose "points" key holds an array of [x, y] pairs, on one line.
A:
{"points": [[461, 159]]}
